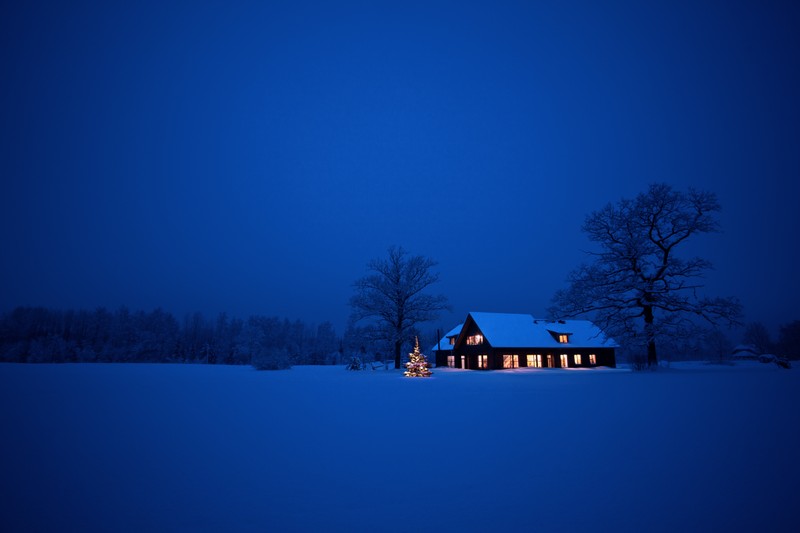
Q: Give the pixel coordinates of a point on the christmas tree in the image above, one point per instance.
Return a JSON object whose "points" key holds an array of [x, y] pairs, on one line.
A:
{"points": [[417, 366]]}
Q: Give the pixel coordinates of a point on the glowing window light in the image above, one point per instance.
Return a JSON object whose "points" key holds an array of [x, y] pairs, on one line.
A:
{"points": [[577, 358], [511, 361], [592, 359], [564, 361], [474, 340], [483, 361]]}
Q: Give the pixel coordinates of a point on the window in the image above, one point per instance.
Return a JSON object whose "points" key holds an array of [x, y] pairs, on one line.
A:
{"points": [[577, 359], [592, 359], [463, 362], [452, 341], [564, 362], [483, 361], [535, 360], [563, 338], [451, 361], [511, 361], [549, 360], [474, 340]]}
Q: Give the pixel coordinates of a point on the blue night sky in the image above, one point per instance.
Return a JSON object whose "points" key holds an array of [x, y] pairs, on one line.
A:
{"points": [[251, 157]]}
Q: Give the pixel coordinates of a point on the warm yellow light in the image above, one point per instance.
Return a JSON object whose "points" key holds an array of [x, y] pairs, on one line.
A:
{"points": [[474, 340], [417, 366]]}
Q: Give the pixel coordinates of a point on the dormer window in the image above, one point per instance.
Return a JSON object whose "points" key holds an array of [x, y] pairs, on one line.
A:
{"points": [[474, 340], [560, 336], [452, 341]]}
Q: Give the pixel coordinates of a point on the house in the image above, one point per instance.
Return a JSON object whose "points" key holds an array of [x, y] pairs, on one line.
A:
{"points": [[490, 341]]}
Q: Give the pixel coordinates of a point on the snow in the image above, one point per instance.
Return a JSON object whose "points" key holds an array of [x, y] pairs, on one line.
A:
{"points": [[509, 330], [116, 447]]}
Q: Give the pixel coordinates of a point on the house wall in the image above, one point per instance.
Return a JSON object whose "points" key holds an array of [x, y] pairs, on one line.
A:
{"points": [[605, 356], [441, 357], [471, 351]]}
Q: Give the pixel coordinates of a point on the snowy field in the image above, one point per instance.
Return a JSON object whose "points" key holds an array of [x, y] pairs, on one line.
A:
{"points": [[115, 447]]}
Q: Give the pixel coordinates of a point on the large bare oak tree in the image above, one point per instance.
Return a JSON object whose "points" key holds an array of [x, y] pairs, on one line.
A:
{"points": [[637, 287], [391, 296]]}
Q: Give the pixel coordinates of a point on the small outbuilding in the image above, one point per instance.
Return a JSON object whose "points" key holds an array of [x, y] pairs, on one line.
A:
{"points": [[489, 341], [745, 352]]}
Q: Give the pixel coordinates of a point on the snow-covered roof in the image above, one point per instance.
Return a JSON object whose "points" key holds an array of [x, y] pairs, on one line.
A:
{"points": [[748, 349], [745, 351], [445, 341], [505, 330]]}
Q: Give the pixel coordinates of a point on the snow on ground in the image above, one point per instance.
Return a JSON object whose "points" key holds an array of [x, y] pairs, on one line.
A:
{"points": [[94, 447]]}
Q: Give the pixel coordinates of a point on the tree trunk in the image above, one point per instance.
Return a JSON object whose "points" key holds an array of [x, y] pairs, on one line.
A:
{"points": [[652, 358], [398, 345]]}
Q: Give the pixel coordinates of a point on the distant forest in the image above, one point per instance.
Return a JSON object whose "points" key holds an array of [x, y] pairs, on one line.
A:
{"points": [[42, 335]]}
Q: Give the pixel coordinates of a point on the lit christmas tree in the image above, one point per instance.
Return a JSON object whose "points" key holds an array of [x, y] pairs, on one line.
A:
{"points": [[417, 366]]}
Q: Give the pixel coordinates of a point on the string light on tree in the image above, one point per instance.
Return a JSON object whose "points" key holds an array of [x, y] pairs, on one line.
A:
{"points": [[417, 366]]}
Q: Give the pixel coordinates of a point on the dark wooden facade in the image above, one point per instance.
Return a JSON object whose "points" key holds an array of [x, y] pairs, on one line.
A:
{"points": [[468, 356]]}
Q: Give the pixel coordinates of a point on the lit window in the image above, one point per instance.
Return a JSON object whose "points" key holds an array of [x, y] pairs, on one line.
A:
{"points": [[452, 341], [577, 358], [564, 362], [474, 340], [483, 361], [535, 360], [463, 362], [549, 360], [511, 361], [563, 338], [451, 361], [592, 359]]}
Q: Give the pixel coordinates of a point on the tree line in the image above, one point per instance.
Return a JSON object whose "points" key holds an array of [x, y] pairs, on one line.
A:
{"points": [[787, 344], [43, 335]]}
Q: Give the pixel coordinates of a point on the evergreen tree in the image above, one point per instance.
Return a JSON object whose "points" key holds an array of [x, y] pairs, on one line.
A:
{"points": [[417, 366]]}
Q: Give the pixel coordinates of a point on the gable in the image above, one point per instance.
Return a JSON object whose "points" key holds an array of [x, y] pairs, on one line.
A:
{"points": [[469, 329]]}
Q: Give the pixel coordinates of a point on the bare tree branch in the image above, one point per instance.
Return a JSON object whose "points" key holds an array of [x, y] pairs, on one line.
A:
{"points": [[392, 296], [636, 287]]}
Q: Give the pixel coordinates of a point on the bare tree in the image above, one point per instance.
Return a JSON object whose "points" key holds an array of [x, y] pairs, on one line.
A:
{"points": [[638, 289], [391, 297]]}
